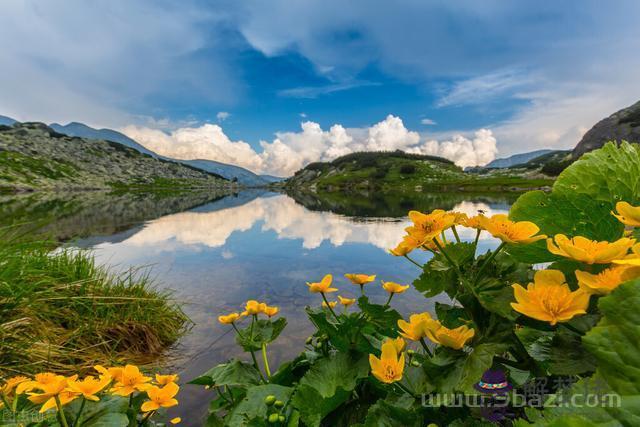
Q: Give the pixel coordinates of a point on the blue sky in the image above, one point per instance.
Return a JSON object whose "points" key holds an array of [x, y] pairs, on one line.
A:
{"points": [[535, 74]]}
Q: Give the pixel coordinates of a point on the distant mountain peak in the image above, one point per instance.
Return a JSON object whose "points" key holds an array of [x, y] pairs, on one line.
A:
{"points": [[517, 159]]}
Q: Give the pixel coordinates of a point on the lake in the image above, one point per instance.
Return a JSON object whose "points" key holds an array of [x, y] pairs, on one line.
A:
{"points": [[215, 251]]}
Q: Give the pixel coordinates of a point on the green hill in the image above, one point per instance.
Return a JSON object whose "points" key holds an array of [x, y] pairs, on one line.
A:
{"points": [[35, 157], [400, 171]]}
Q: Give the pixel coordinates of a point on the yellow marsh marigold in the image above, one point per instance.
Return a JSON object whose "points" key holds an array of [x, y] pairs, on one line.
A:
{"points": [[549, 298], [111, 373], [427, 226], [89, 387], [521, 232], [452, 338], [399, 343], [360, 279], [132, 380], [39, 380], [332, 304], [418, 326], [271, 311], [346, 301], [229, 318], [459, 218], [253, 307], [607, 280], [476, 222], [394, 288], [324, 286], [390, 366], [11, 383], [55, 389], [633, 259], [627, 214], [589, 251], [161, 397], [166, 379]]}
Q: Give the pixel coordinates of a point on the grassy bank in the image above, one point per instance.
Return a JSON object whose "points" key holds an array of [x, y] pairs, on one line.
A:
{"points": [[60, 311]]}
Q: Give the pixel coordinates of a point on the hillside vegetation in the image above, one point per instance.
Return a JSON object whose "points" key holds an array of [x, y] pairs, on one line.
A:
{"points": [[406, 172], [35, 157]]}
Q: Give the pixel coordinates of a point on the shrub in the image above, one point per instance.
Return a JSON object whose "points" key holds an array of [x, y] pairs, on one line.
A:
{"points": [[407, 169]]}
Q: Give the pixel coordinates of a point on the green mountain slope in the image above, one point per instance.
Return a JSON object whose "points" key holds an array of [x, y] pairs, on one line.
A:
{"points": [[35, 157], [401, 171]]}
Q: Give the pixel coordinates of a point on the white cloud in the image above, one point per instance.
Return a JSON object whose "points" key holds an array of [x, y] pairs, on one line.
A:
{"points": [[291, 151], [428, 122], [303, 115], [222, 116], [464, 151]]}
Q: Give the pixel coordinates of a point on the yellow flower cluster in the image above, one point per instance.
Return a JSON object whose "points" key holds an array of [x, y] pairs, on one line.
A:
{"points": [[53, 391], [324, 286], [251, 308], [549, 297], [389, 367], [422, 326]]}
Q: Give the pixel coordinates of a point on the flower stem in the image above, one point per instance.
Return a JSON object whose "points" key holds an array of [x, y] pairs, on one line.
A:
{"points": [[425, 347], [570, 328], [413, 262], [265, 361], [63, 418], [455, 234], [146, 417], [386, 304], [78, 420], [361, 289], [253, 355], [406, 390], [237, 330], [329, 306], [475, 242], [491, 257]]}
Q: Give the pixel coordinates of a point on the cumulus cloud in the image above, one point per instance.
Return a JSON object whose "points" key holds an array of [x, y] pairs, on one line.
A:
{"points": [[291, 151], [222, 116], [464, 151]]}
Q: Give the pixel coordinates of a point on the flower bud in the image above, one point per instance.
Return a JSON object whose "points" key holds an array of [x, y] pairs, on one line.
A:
{"points": [[411, 352], [279, 404], [415, 363], [309, 340], [281, 418], [270, 400], [273, 418]]}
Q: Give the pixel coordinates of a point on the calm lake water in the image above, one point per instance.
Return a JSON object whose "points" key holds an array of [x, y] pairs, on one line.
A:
{"points": [[216, 251]]}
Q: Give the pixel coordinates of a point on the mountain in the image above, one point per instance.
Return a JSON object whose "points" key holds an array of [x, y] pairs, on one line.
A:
{"points": [[230, 172], [34, 156], [272, 179], [622, 125], [516, 159], [84, 131], [7, 121], [398, 171]]}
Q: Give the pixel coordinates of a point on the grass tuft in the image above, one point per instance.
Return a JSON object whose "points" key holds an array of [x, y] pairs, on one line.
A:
{"points": [[60, 311]]}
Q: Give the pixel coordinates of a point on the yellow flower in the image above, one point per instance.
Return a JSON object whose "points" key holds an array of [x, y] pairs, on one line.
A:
{"points": [[39, 380], [549, 298], [161, 397], [394, 288], [627, 214], [417, 326], [89, 386], [253, 307], [501, 227], [132, 380], [607, 280], [589, 251], [398, 343], [459, 218], [271, 311], [427, 226], [453, 338], [323, 286], [360, 279], [389, 367], [346, 301], [166, 379], [11, 383], [56, 388], [332, 304], [175, 420], [476, 222], [111, 373], [633, 259], [229, 318]]}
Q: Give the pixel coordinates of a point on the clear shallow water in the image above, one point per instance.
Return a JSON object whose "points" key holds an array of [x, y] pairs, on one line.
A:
{"points": [[217, 253]]}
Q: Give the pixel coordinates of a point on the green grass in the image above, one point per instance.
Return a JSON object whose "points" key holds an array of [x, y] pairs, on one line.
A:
{"points": [[62, 312]]}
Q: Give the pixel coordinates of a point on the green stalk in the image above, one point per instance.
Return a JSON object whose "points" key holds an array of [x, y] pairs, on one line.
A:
{"points": [[389, 300], [455, 233], [475, 242], [253, 355], [488, 261], [329, 306], [265, 361], [362, 289], [406, 390], [63, 418], [78, 420], [413, 262], [425, 347], [6, 402]]}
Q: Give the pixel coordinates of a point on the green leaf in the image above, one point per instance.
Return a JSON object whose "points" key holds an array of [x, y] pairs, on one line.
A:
{"points": [[327, 385], [496, 296], [451, 316], [109, 411], [439, 275], [384, 318], [393, 413], [233, 373], [252, 410], [347, 335], [263, 332], [581, 199]]}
